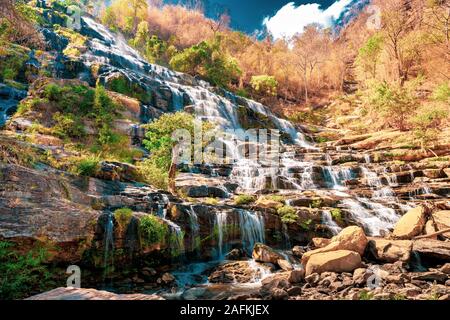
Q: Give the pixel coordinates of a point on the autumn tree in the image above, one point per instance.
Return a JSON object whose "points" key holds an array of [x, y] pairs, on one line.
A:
{"points": [[310, 48], [137, 5]]}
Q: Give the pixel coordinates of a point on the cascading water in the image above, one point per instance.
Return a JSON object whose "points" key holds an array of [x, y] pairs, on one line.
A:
{"points": [[108, 263], [220, 227], [195, 229], [252, 229], [327, 220]]}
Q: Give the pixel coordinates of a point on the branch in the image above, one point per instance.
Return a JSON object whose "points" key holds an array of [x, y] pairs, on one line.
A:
{"points": [[432, 234]]}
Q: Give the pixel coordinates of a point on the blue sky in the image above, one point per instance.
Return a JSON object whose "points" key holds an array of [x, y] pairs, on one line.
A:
{"points": [[282, 17]]}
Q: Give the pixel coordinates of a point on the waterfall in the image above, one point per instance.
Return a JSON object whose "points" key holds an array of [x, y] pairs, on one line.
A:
{"points": [[328, 221], [252, 229], [176, 238], [220, 226], [108, 263], [195, 229]]}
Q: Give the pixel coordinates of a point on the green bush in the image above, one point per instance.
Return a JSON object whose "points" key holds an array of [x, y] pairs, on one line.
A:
{"points": [[316, 203], [441, 93], [427, 123], [68, 125], [22, 274], [337, 215], [88, 167], [123, 216], [152, 230], [244, 199], [264, 84], [288, 214]]}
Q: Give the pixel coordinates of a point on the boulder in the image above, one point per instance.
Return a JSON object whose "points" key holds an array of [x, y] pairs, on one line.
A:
{"points": [[273, 282], [265, 254], [390, 250], [335, 261], [320, 242], [71, 293], [351, 238], [296, 276], [445, 268], [442, 219], [432, 249], [235, 254], [267, 204], [411, 224]]}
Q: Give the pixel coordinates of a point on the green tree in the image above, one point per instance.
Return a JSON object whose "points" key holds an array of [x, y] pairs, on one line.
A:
{"points": [[369, 54], [264, 84]]}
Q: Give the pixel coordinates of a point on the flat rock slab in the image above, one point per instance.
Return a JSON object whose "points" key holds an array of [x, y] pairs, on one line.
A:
{"points": [[89, 294]]}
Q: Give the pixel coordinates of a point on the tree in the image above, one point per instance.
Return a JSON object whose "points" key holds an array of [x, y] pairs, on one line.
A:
{"points": [[368, 55], [136, 5], [398, 22], [309, 48], [264, 84]]}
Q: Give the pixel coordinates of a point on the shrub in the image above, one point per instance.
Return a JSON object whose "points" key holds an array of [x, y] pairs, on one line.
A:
{"points": [[154, 175], [337, 215], [152, 230], [67, 125], [427, 123], [22, 274], [306, 224], [244, 199], [123, 216], [88, 167], [441, 93], [264, 84], [288, 214]]}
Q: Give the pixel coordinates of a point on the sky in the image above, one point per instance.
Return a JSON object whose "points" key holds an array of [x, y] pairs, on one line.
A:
{"points": [[283, 18]]}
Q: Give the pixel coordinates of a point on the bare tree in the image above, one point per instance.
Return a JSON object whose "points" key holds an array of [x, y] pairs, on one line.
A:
{"points": [[309, 48]]}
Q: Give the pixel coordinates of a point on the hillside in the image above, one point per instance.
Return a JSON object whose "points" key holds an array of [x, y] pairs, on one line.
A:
{"points": [[171, 157]]}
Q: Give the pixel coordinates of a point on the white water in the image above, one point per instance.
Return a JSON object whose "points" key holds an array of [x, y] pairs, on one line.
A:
{"points": [[327, 219]]}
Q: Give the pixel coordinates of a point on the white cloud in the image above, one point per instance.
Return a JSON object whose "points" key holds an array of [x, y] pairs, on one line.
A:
{"points": [[290, 20]]}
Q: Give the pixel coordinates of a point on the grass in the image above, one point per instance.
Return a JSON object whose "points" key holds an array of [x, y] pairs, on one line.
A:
{"points": [[244, 199], [337, 215], [88, 167], [288, 214], [123, 217], [152, 230]]}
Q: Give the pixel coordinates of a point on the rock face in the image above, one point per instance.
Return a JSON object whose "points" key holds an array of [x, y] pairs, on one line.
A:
{"points": [[433, 249], [89, 294], [38, 205], [351, 239], [336, 261], [390, 250], [442, 219], [265, 254], [411, 224]]}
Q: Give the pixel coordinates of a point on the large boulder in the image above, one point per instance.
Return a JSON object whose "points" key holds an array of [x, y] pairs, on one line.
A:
{"points": [[335, 261], [433, 249], [89, 294], [442, 219], [390, 250], [265, 254], [351, 238], [411, 224]]}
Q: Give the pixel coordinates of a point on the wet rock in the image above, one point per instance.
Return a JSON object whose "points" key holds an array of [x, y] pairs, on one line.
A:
{"points": [[267, 204], [284, 265], [235, 254], [432, 249], [360, 276], [312, 279], [167, 278], [298, 251], [235, 272], [390, 250], [89, 294], [411, 224], [279, 294], [335, 261], [351, 238], [263, 253]]}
